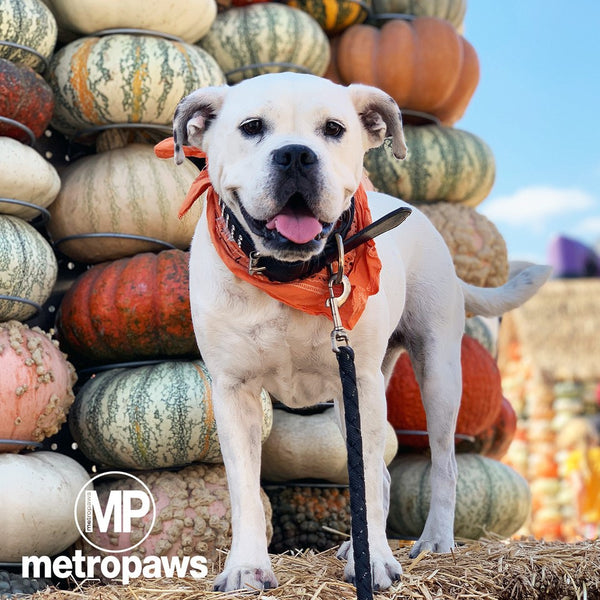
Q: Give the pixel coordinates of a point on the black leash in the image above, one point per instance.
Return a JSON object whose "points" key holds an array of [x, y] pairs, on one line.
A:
{"points": [[340, 344]]}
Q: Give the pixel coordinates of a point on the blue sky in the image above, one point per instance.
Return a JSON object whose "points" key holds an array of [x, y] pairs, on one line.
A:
{"points": [[538, 107]]}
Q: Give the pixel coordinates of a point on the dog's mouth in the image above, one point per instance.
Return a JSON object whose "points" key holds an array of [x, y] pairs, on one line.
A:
{"points": [[295, 224]]}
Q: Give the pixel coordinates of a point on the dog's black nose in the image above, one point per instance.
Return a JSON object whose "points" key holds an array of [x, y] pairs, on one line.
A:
{"points": [[294, 156]]}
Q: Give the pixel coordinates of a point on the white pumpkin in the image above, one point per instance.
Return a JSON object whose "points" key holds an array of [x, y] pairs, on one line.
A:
{"points": [[189, 20], [37, 496], [28, 268], [310, 446], [25, 176], [127, 190]]}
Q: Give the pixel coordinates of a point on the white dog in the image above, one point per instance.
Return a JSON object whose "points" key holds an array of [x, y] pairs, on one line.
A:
{"points": [[285, 155]]}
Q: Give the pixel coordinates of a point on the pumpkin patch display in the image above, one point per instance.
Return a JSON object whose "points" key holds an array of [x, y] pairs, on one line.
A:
{"points": [[28, 268], [128, 309], [450, 10], [333, 15], [442, 164], [424, 64], [24, 97], [478, 249], [150, 417], [190, 21], [490, 497], [29, 23], [123, 78], [25, 176], [266, 38], [303, 517], [310, 446], [480, 403], [36, 385], [123, 191], [37, 495], [193, 515]]}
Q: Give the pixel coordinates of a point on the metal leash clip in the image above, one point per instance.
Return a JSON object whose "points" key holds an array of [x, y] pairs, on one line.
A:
{"points": [[338, 334]]}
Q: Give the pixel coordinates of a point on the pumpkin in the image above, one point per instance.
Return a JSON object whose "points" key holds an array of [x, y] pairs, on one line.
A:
{"points": [[310, 446], [333, 15], [303, 517], [124, 78], [494, 441], [480, 402], [485, 330], [127, 191], [37, 495], [450, 10], [129, 309], [477, 247], [36, 385], [150, 417], [193, 515], [245, 40], [25, 176], [190, 21], [29, 23], [424, 64], [24, 97], [490, 497], [442, 164], [28, 268]]}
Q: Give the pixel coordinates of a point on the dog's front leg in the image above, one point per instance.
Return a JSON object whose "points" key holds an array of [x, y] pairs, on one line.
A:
{"points": [[385, 569], [238, 413]]}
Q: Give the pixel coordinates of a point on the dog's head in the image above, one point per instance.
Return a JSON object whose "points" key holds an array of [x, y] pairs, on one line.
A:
{"points": [[285, 152]]}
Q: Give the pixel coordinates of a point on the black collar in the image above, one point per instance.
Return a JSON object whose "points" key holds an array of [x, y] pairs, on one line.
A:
{"points": [[284, 271]]}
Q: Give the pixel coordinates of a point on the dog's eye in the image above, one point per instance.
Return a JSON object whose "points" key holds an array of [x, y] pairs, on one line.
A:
{"points": [[333, 129], [252, 126]]}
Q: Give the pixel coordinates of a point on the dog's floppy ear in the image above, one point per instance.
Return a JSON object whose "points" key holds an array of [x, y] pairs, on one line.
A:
{"points": [[380, 117], [193, 116]]}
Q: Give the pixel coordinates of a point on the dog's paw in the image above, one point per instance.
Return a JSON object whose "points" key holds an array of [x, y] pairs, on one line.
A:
{"points": [[245, 578], [344, 550], [385, 569], [439, 546]]}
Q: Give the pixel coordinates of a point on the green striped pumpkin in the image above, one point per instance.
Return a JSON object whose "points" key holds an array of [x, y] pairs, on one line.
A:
{"points": [[25, 176], [266, 33], [28, 268], [190, 21], [126, 190], [333, 15], [30, 23], [150, 417], [450, 10], [443, 164], [490, 497], [125, 78]]}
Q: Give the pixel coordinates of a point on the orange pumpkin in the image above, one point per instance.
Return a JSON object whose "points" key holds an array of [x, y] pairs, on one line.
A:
{"points": [[480, 403], [36, 385], [494, 441], [424, 64]]}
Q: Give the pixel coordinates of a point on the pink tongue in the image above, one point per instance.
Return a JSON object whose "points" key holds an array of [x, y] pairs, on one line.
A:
{"points": [[297, 228]]}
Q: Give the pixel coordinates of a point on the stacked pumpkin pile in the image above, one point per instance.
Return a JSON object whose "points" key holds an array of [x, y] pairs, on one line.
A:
{"points": [[118, 207], [37, 490], [431, 70]]}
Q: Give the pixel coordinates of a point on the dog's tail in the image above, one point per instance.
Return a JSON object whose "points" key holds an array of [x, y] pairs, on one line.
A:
{"points": [[525, 279]]}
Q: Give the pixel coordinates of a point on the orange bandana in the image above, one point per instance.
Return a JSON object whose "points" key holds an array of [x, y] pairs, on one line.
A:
{"points": [[361, 265]]}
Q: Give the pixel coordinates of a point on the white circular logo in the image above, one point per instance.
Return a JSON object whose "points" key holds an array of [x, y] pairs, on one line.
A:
{"points": [[115, 514]]}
